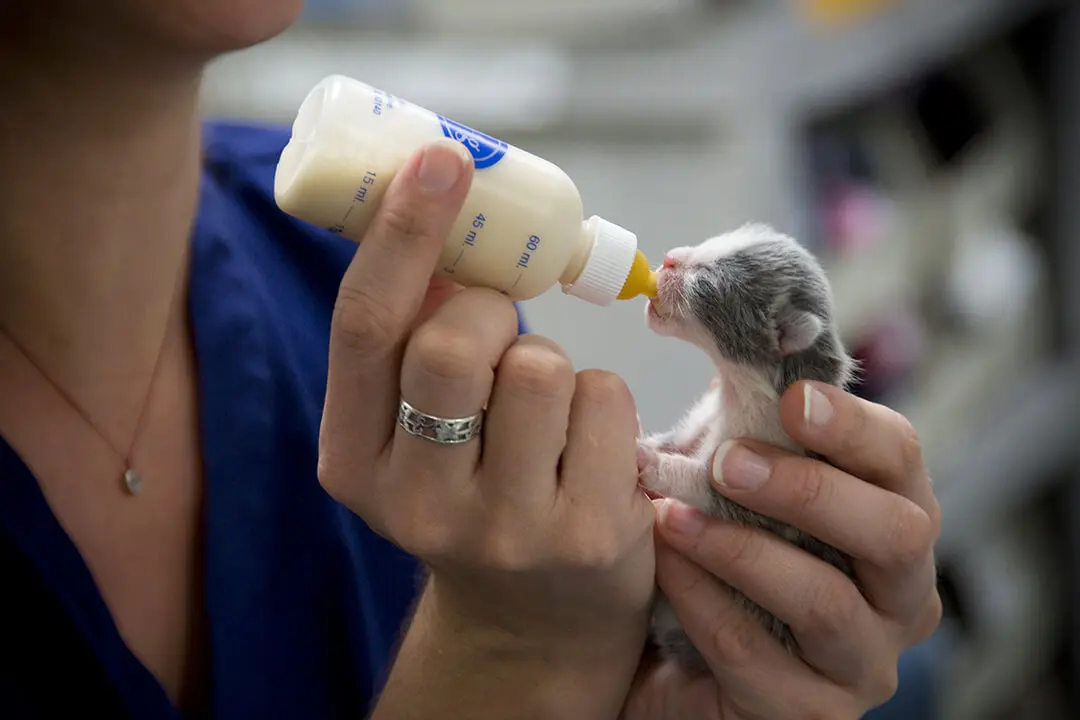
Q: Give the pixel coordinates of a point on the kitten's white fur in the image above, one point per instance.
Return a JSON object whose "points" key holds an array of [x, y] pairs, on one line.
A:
{"points": [[742, 403]]}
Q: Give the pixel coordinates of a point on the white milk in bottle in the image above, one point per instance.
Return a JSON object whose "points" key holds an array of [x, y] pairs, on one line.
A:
{"points": [[521, 229]]}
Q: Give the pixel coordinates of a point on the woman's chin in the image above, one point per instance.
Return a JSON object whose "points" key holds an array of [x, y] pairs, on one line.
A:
{"points": [[213, 27]]}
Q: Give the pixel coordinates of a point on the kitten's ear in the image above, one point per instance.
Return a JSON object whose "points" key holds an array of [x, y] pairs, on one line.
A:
{"points": [[797, 329]]}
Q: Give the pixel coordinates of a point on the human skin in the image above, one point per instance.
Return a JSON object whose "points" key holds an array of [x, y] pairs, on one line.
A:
{"points": [[101, 109], [534, 547]]}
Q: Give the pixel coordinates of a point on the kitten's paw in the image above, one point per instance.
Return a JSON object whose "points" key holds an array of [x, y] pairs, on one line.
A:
{"points": [[648, 465]]}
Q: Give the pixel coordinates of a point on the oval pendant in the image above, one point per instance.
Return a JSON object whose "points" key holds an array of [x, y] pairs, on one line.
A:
{"points": [[132, 482]]}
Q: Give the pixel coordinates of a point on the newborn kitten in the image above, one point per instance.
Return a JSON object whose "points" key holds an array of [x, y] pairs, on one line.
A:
{"points": [[760, 305]]}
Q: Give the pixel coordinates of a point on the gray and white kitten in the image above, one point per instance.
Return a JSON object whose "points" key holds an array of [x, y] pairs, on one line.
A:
{"points": [[760, 305]]}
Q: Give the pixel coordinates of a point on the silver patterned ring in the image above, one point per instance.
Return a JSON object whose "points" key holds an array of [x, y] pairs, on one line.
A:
{"points": [[444, 431]]}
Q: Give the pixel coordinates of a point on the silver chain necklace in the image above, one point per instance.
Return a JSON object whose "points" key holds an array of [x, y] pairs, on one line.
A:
{"points": [[131, 480]]}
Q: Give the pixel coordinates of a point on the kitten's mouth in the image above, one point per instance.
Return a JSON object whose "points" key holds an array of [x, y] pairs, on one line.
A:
{"points": [[664, 305], [658, 305]]}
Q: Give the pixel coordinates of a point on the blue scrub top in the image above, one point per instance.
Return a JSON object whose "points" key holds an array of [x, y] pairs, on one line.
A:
{"points": [[304, 602]]}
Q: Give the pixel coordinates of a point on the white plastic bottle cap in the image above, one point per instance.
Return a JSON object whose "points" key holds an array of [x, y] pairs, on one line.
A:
{"points": [[608, 266]]}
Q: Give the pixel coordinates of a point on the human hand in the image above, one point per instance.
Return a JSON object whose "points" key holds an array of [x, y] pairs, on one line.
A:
{"points": [[538, 540], [874, 501]]}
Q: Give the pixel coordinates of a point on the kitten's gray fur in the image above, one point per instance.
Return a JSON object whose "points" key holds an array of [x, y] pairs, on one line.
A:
{"points": [[760, 305]]}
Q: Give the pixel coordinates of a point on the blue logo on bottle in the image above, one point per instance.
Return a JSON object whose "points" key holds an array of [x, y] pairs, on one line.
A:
{"points": [[486, 150]]}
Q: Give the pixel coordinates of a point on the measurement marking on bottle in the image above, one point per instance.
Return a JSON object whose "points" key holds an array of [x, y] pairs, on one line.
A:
{"points": [[453, 266], [381, 100], [367, 183], [531, 246], [477, 226]]}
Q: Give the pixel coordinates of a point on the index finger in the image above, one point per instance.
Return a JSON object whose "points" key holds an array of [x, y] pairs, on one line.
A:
{"points": [[379, 298], [870, 441]]}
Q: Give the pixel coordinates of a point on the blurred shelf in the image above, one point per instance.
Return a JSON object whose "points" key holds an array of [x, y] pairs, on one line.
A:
{"points": [[1010, 454], [553, 18], [773, 58], [868, 284], [766, 56], [497, 85], [836, 67], [1014, 615], [995, 412]]}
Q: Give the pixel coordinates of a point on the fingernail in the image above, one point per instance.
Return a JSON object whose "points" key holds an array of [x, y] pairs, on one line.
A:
{"points": [[442, 165], [816, 407], [680, 518], [740, 468]]}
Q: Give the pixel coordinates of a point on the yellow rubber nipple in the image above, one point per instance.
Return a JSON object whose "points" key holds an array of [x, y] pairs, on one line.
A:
{"points": [[641, 281]]}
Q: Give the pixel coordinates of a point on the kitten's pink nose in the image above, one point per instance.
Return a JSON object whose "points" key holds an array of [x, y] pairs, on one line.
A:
{"points": [[669, 262]]}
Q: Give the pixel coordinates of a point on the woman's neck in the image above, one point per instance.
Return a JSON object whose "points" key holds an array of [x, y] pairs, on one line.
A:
{"points": [[99, 162]]}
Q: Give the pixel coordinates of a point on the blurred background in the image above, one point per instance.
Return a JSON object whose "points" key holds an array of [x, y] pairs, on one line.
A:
{"points": [[927, 150]]}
